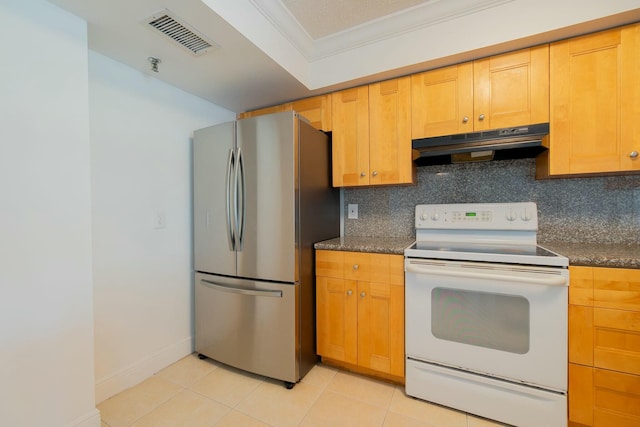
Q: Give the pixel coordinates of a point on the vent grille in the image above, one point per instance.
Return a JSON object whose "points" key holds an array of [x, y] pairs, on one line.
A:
{"points": [[168, 24]]}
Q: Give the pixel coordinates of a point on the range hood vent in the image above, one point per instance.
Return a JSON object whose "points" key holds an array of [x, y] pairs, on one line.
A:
{"points": [[168, 24], [500, 144]]}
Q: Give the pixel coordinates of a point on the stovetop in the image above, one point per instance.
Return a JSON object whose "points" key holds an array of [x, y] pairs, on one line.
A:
{"points": [[487, 232]]}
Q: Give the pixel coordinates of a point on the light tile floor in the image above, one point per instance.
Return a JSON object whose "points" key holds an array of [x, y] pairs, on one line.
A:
{"points": [[199, 393]]}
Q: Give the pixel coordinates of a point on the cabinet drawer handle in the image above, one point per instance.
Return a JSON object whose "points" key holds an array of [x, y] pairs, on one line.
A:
{"points": [[349, 292], [633, 154], [481, 117], [375, 173], [363, 294], [465, 119], [356, 266], [362, 174]]}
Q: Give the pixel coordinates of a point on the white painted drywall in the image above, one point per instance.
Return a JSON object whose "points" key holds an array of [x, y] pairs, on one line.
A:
{"points": [[141, 133], [46, 302]]}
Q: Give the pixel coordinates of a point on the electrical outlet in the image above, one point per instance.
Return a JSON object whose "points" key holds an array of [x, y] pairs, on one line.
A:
{"points": [[352, 211], [159, 220]]}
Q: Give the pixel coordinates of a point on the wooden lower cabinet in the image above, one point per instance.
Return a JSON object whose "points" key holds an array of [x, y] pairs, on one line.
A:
{"points": [[360, 312], [604, 347]]}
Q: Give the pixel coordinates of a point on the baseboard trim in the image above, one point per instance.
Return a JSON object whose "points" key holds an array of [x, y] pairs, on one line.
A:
{"points": [[141, 370], [92, 419]]}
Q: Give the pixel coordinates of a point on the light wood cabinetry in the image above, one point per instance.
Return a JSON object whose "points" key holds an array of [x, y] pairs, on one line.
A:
{"points": [[360, 311], [500, 91], [604, 347], [595, 104], [371, 135], [317, 110]]}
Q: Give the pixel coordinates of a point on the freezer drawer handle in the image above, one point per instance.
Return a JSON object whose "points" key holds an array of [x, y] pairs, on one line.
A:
{"points": [[436, 271], [225, 288]]}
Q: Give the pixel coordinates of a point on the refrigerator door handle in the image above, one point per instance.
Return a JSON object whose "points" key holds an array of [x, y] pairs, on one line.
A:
{"points": [[234, 290], [229, 190], [241, 211]]}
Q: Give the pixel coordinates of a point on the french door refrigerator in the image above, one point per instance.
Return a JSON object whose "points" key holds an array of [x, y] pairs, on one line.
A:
{"points": [[262, 197]]}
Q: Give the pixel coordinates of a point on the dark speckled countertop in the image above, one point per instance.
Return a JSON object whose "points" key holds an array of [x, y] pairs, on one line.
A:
{"points": [[588, 254], [383, 245]]}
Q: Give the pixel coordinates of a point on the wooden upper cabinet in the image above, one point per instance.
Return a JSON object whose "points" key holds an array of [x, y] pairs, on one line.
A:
{"points": [[440, 100], [371, 134], [350, 138], [317, 110], [390, 159], [595, 103], [500, 91]]}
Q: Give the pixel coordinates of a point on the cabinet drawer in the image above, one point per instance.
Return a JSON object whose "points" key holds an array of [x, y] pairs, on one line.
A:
{"points": [[616, 340], [357, 266], [616, 288], [616, 399], [329, 264]]}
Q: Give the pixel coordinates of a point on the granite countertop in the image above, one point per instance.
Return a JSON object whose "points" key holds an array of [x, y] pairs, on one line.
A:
{"points": [[383, 245], [598, 254], [586, 254]]}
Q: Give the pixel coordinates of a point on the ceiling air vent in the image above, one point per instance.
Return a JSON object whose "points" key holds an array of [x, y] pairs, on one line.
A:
{"points": [[180, 32]]}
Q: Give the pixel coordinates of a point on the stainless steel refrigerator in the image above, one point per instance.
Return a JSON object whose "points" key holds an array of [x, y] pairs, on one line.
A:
{"points": [[262, 197]]}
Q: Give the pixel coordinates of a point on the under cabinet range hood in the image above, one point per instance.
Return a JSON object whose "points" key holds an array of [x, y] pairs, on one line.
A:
{"points": [[499, 144]]}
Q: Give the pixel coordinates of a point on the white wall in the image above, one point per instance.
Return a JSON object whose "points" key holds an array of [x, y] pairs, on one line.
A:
{"points": [[141, 133], [46, 313]]}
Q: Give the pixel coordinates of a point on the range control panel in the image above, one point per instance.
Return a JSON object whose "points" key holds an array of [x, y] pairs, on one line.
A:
{"points": [[478, 216]]}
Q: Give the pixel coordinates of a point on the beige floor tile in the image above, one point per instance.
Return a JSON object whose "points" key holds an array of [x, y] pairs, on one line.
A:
{"points": [[272, 403], [368, 390], [188, 370], [238, 419], [482, 422], [186, 409], [397, 420], [438, 416], [227, 385], [336, 410], [124, 408], [320, 375]]}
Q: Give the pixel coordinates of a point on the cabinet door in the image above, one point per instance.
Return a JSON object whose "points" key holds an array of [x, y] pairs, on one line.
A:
{"points": [[316, 109], [381, 327], [390, 159], [511, 89], [350, 142], [442, 101], [616, 399], [580, 394], [336, 319], [581, 335], [595, 94], [616, 340], [267, 110]]}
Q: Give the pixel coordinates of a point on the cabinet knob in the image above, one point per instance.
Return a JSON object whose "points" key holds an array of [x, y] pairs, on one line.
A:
{"points": [[465, 119], [356, 266], [349, 292], [362, 174], [481, 117], [375, 173], [633, 154], [362, 294]]}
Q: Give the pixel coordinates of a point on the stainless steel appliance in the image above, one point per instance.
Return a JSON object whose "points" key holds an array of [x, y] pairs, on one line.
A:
{"points": [[486, 314], [262, 197]]}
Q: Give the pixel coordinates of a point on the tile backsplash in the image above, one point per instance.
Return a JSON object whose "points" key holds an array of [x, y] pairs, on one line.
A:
{"points": [[589, 210]]}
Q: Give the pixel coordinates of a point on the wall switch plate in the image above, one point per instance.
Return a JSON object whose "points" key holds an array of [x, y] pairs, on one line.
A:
{"points": [[352, 211], [159, 220]]}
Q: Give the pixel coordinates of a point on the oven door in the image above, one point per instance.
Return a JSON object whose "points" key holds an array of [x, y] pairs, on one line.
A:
{"points": [[508, 321]]}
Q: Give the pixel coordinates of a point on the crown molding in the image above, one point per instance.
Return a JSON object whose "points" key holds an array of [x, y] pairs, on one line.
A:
{"points": [[430, 13]]}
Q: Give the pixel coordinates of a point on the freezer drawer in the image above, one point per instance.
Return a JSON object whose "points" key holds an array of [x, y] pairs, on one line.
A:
{"points": [[251, 325]]}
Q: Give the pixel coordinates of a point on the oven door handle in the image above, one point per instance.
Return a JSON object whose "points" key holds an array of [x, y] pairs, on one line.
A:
{"points": [[437, 271]]}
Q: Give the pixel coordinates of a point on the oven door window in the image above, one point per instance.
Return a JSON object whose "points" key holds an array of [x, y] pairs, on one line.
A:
{"points": [[495, 321]]}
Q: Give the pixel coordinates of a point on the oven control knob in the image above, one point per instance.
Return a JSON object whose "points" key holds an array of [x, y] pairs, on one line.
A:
{"points": [[435, 216], [424, 216], [525, 215], [511, 216]]}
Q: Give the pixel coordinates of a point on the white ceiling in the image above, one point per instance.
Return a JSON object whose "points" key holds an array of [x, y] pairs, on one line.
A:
{"points": [[272, 51]]}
